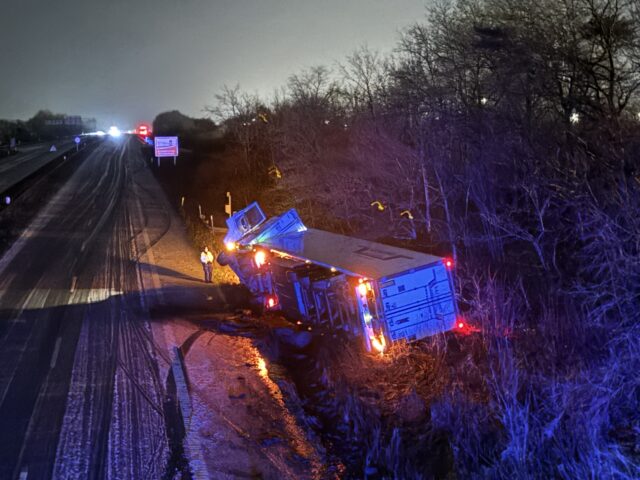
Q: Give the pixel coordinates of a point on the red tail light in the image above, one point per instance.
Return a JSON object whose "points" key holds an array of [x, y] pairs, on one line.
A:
{"points": [[271, 301], [448, 263], [463, 328]]}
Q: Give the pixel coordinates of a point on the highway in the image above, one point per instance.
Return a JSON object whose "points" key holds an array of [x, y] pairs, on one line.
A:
{"points": [[80, 391], [29, 160], [96, 294]]}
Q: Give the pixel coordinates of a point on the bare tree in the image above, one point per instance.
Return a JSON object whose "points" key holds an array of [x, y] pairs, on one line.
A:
{"points": [[365, 74]]}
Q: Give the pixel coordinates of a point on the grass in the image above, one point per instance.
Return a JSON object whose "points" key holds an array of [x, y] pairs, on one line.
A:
{"points": [[201, 235]]}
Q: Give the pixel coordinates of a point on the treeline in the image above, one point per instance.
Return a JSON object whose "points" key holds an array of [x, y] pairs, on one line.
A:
{"points": [[506, 132], [201, 133], [43, 126]]}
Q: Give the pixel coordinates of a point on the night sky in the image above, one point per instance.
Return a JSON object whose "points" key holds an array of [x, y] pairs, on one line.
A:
{"points": [[125, 61]]}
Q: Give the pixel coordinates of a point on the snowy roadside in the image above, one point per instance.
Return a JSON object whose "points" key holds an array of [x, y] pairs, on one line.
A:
{"points": [[240, 425]]}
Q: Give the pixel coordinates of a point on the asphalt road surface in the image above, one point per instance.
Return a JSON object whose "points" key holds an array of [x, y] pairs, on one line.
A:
{"points": [[28, 160], [96, 296], [80, 391]]}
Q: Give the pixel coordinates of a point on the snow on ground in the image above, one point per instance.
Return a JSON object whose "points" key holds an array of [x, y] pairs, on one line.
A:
{"points": [[239, 415], [240, 426]]}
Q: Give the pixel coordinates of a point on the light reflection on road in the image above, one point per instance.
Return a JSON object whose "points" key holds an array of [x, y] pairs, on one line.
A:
{"points": [[294, 432], [56, 297]]}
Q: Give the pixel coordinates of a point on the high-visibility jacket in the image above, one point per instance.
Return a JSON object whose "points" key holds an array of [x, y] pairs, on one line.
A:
{"points": [[206, 257]]}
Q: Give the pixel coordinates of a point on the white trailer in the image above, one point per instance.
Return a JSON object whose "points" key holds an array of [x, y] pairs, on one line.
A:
{"points": [[374, 291]]}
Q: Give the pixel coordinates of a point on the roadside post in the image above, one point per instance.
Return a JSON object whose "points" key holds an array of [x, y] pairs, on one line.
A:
{"points": [[166, 147], [227, 205]]}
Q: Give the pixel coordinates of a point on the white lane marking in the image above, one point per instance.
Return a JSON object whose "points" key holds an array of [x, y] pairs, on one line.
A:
{"points": [[74, 280], [25, 306], [24, 473], [5, 281], [56, 350], [53, 207]]}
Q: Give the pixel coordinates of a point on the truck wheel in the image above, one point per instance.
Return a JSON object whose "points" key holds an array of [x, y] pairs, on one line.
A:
{"points": [[223, 259]]}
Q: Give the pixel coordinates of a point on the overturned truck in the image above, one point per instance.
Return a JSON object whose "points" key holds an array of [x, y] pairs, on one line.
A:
{"points": [[376, 292]]}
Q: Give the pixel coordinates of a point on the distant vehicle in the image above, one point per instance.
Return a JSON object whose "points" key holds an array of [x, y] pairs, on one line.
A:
{"points": [[374, 291], [114, 131], [143, 130]]}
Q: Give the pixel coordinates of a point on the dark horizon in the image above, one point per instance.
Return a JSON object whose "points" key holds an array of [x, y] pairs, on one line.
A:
{"points": [[123, 63]]}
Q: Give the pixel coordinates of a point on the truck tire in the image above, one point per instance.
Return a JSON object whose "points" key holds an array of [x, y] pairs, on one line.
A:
{"points": [[223, 259]]}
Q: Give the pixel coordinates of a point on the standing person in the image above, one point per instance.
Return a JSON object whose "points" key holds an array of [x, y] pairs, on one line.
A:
{"points": [[206, 258]]}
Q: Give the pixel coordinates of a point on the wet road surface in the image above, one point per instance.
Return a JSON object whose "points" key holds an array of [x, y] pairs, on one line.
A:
{"points": [[94, 297], [80, 392]]}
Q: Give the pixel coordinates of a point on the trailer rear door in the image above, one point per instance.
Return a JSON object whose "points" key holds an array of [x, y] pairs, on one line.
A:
{"points": [[418, 303]]}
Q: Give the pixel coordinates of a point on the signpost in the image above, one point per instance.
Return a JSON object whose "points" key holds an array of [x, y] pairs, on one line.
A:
{"points": [[166, 147], [227, 205], [77, 140]]}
